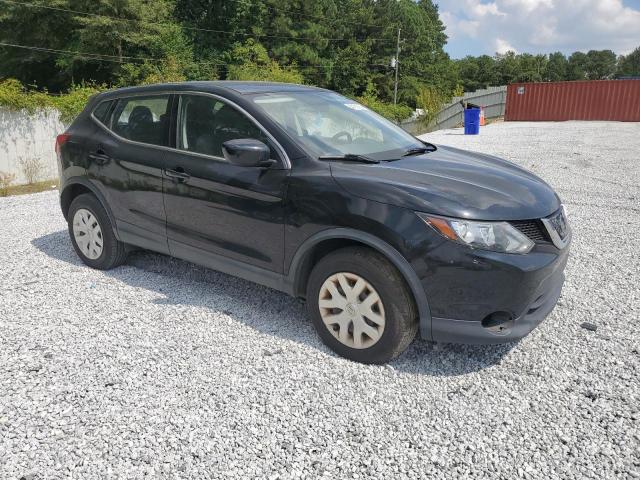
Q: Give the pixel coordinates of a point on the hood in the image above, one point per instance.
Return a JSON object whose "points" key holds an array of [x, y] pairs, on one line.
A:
{"points": [[453, 183]]}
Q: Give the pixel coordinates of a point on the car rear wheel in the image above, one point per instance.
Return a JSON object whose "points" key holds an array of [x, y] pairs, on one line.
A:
{"points": [[361, 306], [92, 234]]}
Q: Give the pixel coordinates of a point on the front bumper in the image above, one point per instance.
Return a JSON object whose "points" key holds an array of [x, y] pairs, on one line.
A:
{"points": [[474, 332], [465, 296]]}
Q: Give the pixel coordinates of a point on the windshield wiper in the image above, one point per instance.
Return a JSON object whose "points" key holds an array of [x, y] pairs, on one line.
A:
{"points": [[428, 147], [350, 157]]}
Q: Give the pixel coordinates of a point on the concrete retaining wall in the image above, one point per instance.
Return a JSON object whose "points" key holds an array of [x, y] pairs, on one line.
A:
{"points": [[25, 136]]}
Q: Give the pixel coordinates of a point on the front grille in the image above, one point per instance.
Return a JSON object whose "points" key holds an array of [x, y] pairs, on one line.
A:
{"points": [[534, 229]]}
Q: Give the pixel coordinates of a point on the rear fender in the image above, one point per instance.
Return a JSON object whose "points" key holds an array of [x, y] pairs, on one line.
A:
{"points": [[67, 195]]}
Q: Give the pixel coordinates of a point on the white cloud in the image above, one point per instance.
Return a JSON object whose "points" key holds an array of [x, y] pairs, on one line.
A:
{"points": [[485, 9], [543, 25], [502, 46]]}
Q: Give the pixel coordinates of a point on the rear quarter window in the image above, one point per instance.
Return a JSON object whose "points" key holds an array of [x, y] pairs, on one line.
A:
{"points": [[101, 112]]}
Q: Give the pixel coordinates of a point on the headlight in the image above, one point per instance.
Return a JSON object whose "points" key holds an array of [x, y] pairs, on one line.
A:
{"points": [[496, 236]]}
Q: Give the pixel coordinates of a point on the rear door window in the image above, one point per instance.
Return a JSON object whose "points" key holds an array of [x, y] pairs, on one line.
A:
{"points": [[143, 119]]}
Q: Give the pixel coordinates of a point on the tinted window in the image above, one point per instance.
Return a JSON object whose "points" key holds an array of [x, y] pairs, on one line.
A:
{"points": [[206, 123], [102, 110], [143, 119]]}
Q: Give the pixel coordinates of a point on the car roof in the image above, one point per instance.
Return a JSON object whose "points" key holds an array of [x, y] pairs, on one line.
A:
{"points": [[237, 87]]}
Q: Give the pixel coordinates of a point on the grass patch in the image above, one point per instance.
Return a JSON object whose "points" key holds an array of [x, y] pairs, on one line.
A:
{"points": [[36, 187]]}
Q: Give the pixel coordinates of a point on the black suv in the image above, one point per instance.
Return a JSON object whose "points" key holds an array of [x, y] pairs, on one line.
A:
{"points": [[308, 192]]}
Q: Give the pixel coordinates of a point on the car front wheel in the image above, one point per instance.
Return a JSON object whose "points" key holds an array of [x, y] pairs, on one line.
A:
{"points": [[361, 306]]}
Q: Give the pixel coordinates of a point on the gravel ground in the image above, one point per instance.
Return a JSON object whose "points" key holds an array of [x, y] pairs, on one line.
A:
{"points": [[161, 369]]}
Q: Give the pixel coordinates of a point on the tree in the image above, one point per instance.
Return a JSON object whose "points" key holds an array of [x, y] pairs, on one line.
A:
{"points": [[469, 73], [601, 64], [557, 67], [32, 67], [476, 73], [430, 101], [251, 62], [577, 66], [129, 30], [531, 68], [508, 67], [342, 44], [629, 66]]}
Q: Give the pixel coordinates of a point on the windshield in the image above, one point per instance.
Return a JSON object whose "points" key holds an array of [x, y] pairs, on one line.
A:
{"points": [[330, 124]]}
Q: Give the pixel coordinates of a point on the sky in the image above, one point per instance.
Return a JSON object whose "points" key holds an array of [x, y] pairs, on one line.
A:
{"points": [[477, 27]]}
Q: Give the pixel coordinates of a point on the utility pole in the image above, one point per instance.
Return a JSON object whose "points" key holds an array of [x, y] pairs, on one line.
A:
{"points": [[397, 62]]}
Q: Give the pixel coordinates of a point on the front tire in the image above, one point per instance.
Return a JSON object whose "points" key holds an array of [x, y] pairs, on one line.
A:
{"points": [[361, 306], [92, 234]]}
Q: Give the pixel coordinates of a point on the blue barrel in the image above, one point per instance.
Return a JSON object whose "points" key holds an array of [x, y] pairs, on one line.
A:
{"points": [[471, 121]]}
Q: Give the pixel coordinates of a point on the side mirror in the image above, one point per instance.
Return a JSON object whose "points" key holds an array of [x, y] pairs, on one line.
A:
{"points": [[247, 152]]}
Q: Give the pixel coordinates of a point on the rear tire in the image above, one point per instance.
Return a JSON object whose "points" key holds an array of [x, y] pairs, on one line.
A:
{"points": [[361, 306], [92, 234]]}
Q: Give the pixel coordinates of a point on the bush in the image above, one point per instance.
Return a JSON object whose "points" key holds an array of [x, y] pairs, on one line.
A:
{"points": [[430, 100], [395, 113], [14, 96], [31, 168], [265, 73], [6, 179], [250, 61]]}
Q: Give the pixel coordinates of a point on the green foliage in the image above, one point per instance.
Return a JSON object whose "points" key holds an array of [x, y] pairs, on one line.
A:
{"points": [[577, 66], [476, 73], [144, 41], [395, 113], [480, 72], [557, 67], [251, 62], [344, 45], [629, 66], [14, 96], [71, 103], [430, 100], [601, 64]]}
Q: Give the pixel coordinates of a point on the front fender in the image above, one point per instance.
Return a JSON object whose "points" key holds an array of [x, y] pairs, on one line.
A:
{"points": [[294, 274]]}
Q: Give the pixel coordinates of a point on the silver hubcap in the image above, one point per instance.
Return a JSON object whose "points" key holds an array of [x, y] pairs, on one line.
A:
{"points": [[351, 310], [88, 234]]}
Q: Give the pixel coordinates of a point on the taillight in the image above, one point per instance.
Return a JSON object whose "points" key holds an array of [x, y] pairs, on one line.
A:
{"points": [[61, 140]]}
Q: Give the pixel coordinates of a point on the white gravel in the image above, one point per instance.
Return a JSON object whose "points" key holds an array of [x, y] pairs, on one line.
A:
{"points": [[161, 369]]}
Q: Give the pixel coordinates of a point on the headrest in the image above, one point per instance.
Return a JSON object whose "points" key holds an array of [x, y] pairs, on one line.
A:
{"points": [[140, 115]]}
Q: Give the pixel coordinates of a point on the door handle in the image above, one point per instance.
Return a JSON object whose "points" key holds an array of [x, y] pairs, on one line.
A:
{"points": [[178, 175], [99, 157]]}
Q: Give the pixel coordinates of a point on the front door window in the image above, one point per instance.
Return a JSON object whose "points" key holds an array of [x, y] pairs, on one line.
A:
{"points": [[206, 123]]}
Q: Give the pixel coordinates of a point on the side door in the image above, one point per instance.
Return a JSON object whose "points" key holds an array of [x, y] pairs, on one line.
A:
{"points": [[126, 158], [218, 212]]}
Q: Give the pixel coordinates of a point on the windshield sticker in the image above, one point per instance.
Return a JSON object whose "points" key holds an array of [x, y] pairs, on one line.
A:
{"points": [[355, 106]]}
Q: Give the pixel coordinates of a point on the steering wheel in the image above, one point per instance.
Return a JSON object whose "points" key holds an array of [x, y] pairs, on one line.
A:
{"points": [[344, 134]]}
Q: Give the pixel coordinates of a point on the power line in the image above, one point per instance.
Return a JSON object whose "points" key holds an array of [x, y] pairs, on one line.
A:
{"points": [[120, 59], [186, 27], [90, 56], [98, 56]]}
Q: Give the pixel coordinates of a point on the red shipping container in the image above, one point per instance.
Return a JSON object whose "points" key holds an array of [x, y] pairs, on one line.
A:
{"points": [[615, 100]]}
